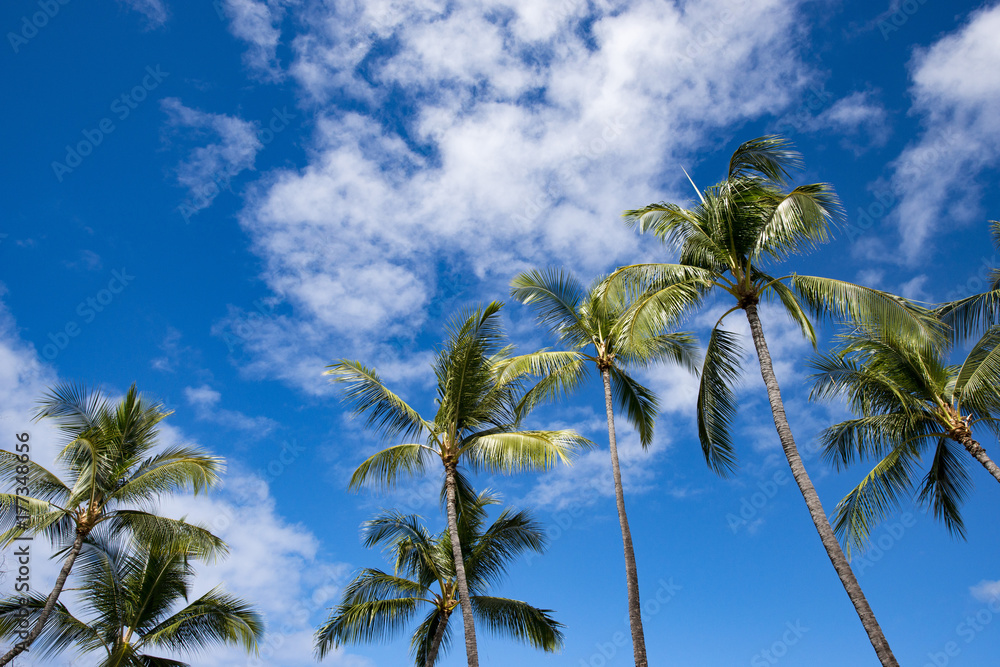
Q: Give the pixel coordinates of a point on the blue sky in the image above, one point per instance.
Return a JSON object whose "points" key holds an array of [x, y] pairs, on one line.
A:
{"points": [[215, 200]]}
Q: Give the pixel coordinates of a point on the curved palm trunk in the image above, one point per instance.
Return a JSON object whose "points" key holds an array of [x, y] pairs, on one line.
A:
{"points": [[631, 572], [471, 652], [435, 644], [50, 602], [826, 535], [980, 455]]}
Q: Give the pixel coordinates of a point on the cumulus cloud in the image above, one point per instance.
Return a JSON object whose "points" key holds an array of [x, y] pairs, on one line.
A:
{"points": [[986, 591], [209, 169], [454, 167], [955, 85]]}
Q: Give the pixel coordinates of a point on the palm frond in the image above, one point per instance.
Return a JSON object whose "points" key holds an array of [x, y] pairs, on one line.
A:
{"points": [[519, 620], [638, 402], [946, 485], [770, 156], [384, 411], [387, 466], [519, 451], [555, 295], [717, 400]]}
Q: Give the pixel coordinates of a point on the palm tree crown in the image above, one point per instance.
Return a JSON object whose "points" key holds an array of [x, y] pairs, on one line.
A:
{"points": [[480, 391], [130, 607], [376, 605], [908, 398], [115, 471]]}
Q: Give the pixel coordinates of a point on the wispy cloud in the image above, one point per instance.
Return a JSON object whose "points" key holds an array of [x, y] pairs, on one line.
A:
{"points": [[205, 402], [209, 169], [956, 82]]}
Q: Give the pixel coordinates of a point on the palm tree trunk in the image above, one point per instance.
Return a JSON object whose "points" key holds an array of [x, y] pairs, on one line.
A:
{"points": [[471, 652], [50, 602], [631, 572], [980, 455], [826, 535], [435, 644]]}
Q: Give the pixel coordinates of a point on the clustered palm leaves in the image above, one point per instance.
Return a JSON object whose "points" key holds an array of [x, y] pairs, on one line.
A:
{"points": [[908, 399], [376, 605], [480, 405], [132, 592], [113, 470]]}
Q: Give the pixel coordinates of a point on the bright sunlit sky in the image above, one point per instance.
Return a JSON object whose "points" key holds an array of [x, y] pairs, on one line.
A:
{"points": [[214, 200]]}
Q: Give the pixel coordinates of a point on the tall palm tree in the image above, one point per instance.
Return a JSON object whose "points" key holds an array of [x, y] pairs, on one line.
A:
{"points": [[906, 398], [113, 472], [581, 319], [376, 605], [130, 595], [477, 424], [726, 241]]}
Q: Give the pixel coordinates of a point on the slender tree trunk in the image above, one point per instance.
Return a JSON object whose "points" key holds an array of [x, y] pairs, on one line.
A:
{"points": [[471, 651], [826, 535], [435, 644], [980, 455], [50, 603], [631, 572]]}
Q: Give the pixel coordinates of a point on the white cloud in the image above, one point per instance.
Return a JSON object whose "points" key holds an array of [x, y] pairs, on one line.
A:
{"points": [[205, 402], [956, 82], [209, 169], [986, 591], [503, 158], [155, 11], [259, 24]]}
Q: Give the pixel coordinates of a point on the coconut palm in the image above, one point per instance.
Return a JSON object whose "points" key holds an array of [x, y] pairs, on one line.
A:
{"points": [[726, 241], [581, 319], [973, 314], [908, 399], [113, 475], [377, 605], [477, 425], [130, 594]]}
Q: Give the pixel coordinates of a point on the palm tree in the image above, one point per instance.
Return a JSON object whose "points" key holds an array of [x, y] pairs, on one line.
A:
{"points": [[376, 605], [905, 398], [476, 424], [130, 593], [725, 242], [112, 472], [581, 319], [972, 314]]}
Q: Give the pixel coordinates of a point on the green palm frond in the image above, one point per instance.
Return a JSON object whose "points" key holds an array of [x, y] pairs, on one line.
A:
{"points": [[154, 529], [893, 317], [799, 221], [421, 640], [556, 296], [510, 452], [173, 469], [978, 380], [717, 401], [385, 412], [874, 498], [519, 620], [61, 630], [387, 466], [790, 303], [946, 485], [770, 156], [214, 618], [638, 403]]}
